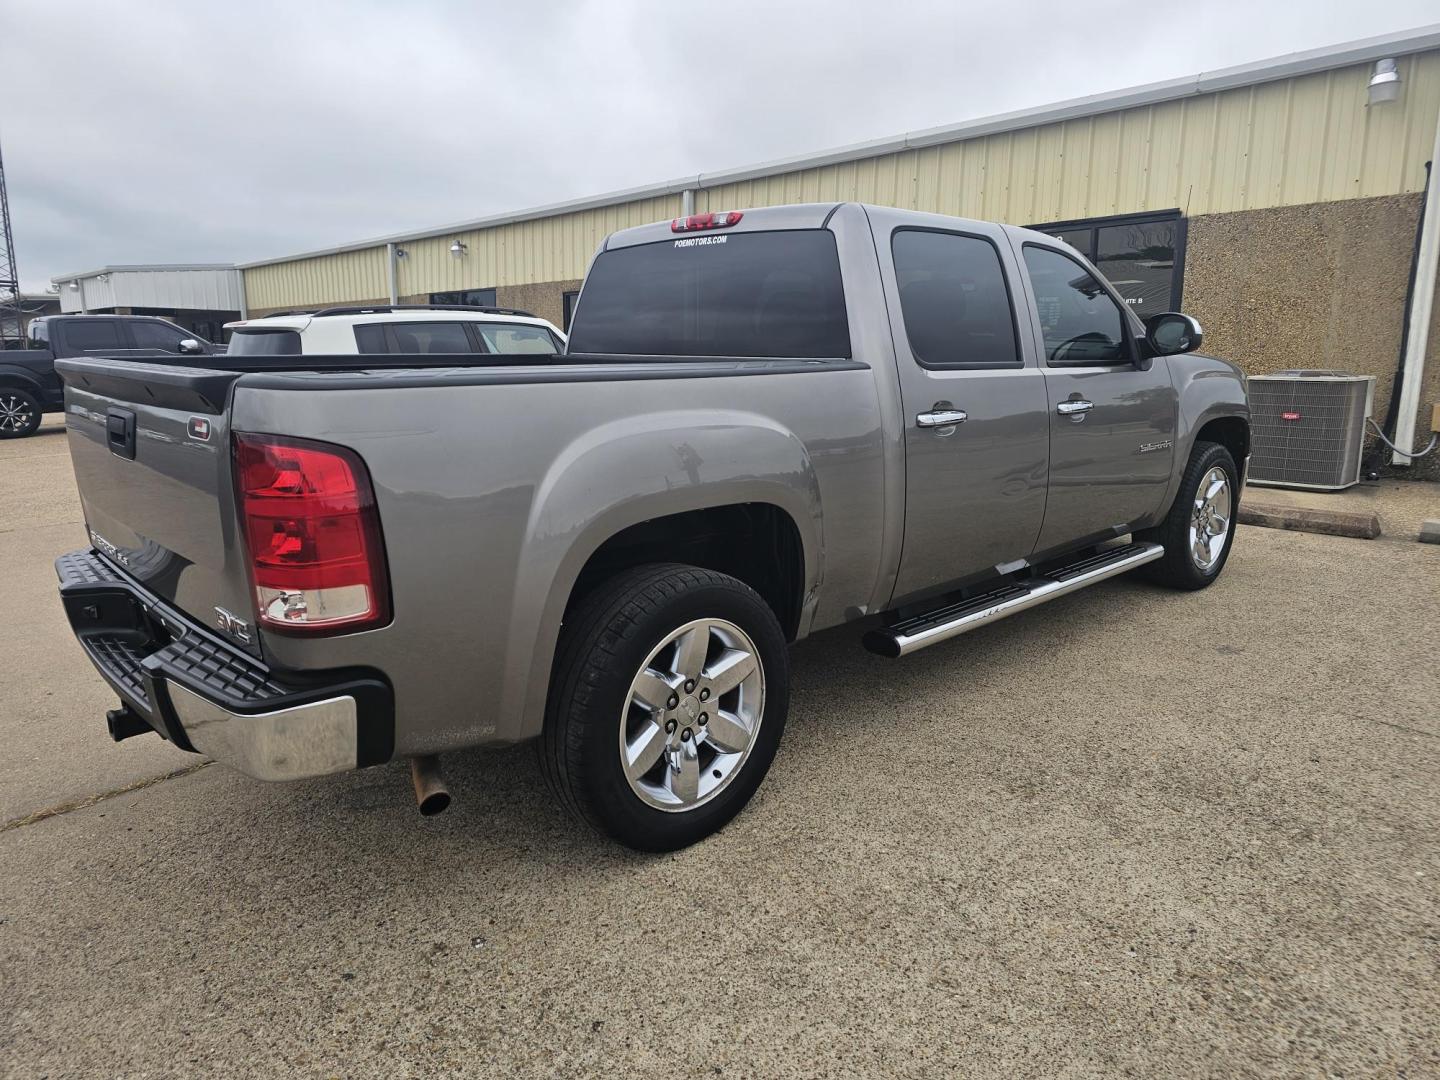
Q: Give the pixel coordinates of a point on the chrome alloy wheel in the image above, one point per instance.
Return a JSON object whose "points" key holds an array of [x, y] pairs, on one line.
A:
{"points": [[1210, 520], [692, 715], [15, 413]]}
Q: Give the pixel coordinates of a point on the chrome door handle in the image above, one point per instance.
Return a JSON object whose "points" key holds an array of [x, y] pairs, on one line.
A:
{"points": [[1073, 408], [941, 418]]}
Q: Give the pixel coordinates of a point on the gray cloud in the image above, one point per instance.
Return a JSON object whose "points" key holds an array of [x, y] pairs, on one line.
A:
{"points": [[204, 132]]}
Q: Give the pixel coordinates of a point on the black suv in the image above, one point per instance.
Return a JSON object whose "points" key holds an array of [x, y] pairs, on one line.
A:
{"points": [[29, 385]]}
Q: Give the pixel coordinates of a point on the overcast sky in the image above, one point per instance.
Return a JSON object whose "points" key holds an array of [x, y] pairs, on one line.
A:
{"points": [[191, 131]]}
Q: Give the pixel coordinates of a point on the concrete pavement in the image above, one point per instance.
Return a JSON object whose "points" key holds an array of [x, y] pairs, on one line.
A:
{"points": [[1131, 833]]}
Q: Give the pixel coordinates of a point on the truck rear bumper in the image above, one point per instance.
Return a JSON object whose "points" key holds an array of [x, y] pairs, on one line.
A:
{"points": [[206, 697]]}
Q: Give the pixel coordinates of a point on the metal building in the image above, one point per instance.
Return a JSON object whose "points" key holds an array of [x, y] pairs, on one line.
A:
{"points": [[201, 297], [1277, 201]]}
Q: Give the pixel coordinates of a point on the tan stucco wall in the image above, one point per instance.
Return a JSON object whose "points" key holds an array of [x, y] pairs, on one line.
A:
{"points": [[545, 298], [1315, 286]]}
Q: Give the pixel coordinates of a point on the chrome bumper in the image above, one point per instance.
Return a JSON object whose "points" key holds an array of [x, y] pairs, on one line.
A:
{"points": [[204, 696]]}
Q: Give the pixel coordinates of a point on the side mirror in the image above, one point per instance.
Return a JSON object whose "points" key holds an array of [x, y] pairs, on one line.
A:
{"points": [[1172, 332], [190, 347]]}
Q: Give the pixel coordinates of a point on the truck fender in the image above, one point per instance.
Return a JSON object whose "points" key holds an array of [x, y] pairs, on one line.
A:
{"points": [[1207, 388], [20, 378], [622, 474]]}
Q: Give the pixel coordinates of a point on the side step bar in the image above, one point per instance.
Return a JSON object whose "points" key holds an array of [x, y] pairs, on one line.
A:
{"points": [[915, 633]]}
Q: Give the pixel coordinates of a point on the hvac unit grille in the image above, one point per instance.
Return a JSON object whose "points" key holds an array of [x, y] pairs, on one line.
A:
{"points": [[1308, 428]]}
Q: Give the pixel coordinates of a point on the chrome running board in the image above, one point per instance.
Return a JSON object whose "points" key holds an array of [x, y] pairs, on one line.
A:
{"points": [[943, 623]]}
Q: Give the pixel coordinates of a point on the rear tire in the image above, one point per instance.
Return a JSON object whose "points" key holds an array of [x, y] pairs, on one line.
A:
{"points": [[1199, 528], [19, 414], [658, 763]]}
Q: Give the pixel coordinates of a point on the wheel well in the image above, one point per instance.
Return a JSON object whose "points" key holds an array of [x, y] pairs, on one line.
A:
{"points": [[1231, 432], [758, 543]]}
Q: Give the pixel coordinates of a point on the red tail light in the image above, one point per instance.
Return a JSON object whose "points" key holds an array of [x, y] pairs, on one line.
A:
{"points": [[707, 221], [316, 556]]}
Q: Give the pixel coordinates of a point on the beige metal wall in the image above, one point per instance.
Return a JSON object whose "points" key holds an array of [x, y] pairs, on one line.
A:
{"points": [[1303, 140], [1310, 139]]}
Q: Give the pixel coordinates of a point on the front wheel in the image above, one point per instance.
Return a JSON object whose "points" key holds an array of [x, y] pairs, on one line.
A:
{"points": [[19, 414], [667, 704], [1200, 527]]}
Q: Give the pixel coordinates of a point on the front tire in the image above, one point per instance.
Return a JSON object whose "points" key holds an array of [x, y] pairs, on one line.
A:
{"points": [[19, 414], [666, 707], [1199, 528]]}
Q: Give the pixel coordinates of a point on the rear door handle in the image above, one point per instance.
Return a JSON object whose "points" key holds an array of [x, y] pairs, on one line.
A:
{"points": [[1074, 407], [941, 418]]}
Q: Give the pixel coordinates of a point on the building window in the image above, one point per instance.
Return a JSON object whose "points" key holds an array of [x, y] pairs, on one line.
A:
{"points": [[468, 297], [568, 312], [1143, 255]]}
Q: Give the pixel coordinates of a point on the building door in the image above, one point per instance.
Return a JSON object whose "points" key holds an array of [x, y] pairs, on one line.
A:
{"points": [[1142, 256]]}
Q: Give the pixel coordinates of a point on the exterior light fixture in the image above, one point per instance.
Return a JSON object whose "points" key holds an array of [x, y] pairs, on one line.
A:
{"points": [[401, 253], [75, 285], [1384, 82], [458, 249]]}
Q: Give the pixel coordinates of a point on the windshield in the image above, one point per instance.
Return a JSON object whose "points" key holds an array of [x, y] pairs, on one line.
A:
{"points": [[743, 294]]}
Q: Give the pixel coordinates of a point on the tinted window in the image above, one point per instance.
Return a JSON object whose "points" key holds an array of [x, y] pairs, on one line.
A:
{"points": [[265, 343], [472, 297], [743, 294], [1139, 260], [430, 337], [506, 338], [370, 338], [93, 334], [39, 334], [954, 300], [154, 335], [1081, 323]]}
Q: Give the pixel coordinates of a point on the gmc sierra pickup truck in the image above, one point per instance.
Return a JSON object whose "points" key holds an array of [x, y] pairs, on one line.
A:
{"points": [[768, 422], [29, 385]]}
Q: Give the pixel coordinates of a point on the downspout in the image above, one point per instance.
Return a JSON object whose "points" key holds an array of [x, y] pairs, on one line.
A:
{"points": [[244, 300], [1417, 340], [390, 259], [687, 202], [84, 305]]}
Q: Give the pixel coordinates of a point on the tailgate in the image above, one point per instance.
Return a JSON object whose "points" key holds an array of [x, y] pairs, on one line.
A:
{"points": [[151, 451]]}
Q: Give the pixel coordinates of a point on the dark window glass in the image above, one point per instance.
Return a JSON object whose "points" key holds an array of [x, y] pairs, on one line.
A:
{"points": [[744, 294], [1079, 239], [569, 304], [265, 343], [430, 337], [154, 335], [1139, 260], [954, 300], [512, 338], [470, 297], [1081, 323], [371, 338], [93, 334], [39, 334]]}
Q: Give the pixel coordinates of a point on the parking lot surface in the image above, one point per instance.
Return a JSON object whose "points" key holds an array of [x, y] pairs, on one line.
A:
{"points": [[1133, 832]]}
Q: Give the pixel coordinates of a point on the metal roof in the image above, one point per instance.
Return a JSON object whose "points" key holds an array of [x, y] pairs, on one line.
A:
{"points": [[1421, 39], [141, 268]]}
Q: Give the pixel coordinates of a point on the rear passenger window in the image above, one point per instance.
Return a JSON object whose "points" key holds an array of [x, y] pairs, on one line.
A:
{"points": [[1080, 321], [505, 338], [99, 334], [431, 337], [371, 338], [954, 300]]}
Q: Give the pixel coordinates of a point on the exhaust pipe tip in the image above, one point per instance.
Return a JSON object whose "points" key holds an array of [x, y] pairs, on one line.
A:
{"points": [[431, 795]]}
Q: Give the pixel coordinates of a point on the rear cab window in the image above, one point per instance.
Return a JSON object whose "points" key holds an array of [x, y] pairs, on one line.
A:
{"points": [[761, 294], [954, 300], [92, 336]]}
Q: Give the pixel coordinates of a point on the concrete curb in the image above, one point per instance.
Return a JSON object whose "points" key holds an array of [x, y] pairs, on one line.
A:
{"points": [[1429, 531], [1298, 519]]}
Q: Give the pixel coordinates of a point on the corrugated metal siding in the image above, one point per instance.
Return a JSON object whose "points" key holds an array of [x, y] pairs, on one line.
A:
{"points": [[546, 249], [1290, 142], [196, 290], [1303, 140], [330, 279]]}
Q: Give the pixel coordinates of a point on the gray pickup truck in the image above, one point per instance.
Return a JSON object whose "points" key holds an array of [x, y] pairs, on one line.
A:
{"points": [[768, 422]]}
